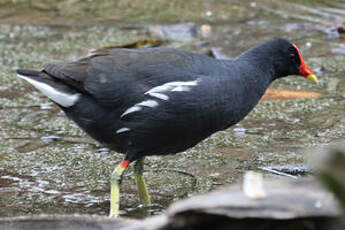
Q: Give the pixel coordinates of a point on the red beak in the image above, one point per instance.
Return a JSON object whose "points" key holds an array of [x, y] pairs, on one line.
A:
{"points": [[305, 70]]}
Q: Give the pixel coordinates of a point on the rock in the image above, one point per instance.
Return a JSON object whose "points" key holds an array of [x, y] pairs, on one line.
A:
{"points": [[179, 32], [288, 205], [64, 222]]}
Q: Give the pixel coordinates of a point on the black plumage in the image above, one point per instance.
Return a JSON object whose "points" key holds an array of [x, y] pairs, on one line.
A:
{"points": [[188, 96]]}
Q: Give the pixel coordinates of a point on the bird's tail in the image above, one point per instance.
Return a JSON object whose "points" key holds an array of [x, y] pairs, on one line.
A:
{"points": [[53, 88]]}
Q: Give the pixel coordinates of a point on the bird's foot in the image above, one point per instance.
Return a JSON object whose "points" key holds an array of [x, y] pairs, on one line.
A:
{"points": [[115, 182], [144, 196]]}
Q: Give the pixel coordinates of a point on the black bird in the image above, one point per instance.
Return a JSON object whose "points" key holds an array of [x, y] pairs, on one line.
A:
{"points": [[159, 101]]}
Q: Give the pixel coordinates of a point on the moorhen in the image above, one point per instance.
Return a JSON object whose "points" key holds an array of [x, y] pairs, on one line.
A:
{"points": [[158, 101]]}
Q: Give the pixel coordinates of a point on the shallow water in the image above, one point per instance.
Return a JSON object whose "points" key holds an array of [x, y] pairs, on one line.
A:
{"points": [[48, 165]]}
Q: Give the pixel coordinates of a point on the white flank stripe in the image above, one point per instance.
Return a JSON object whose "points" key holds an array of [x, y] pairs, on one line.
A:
{"points": [[61, 98], [124, 129], [184, 83], [148, 103], [138, 106], [131, 110], [160, 96], [171, 85], [158, 89], [180, 88]]}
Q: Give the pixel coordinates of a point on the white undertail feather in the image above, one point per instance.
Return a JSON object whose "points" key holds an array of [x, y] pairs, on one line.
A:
{"points": [[61, 98]]}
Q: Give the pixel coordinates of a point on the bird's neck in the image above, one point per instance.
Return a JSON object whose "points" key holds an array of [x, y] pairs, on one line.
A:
{"points": [[259, 59], [256, 71], [246, 88]]}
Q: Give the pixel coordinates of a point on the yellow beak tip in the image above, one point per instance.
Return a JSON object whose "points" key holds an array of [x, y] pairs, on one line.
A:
{"points": [[313, 78]]}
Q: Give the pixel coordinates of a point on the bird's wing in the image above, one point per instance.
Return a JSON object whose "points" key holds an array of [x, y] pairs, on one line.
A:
{"points": [[109, 75]]}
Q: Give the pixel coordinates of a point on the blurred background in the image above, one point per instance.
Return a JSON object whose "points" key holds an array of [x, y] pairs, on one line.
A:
{"points": [[48, 165]]}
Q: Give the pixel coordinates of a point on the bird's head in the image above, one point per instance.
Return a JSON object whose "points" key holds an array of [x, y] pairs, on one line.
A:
{"points": [[288, 61]]}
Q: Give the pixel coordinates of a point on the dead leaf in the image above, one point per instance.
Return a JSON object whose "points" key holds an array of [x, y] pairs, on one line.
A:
{"points": [[137, 44], [284, 94]]}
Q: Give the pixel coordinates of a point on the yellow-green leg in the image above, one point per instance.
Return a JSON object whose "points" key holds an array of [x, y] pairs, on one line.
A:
{"points": [[140, 181], [115, 182]]}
